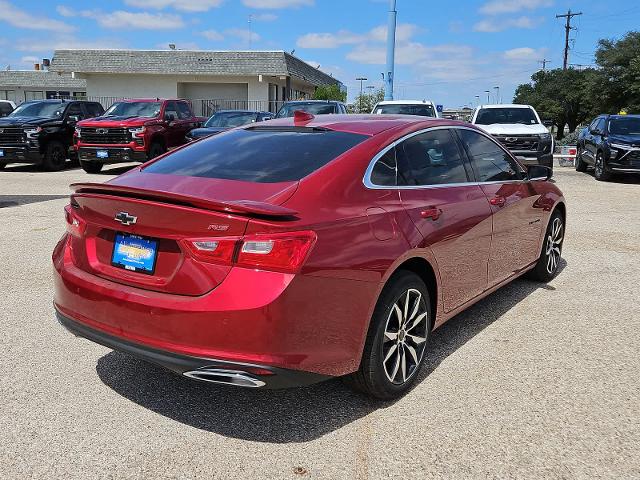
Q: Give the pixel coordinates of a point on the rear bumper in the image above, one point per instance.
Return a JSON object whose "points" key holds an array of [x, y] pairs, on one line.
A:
{"points": [[264, 376], [20, 154], [114, 154]]}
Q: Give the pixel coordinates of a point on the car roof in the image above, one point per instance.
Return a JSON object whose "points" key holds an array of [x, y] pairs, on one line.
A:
{"points": [[363, 124], [505, 105], [405, 102]]}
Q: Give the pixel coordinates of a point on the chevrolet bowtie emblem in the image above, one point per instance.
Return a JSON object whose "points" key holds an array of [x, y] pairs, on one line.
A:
{"points": [[125, 219]]}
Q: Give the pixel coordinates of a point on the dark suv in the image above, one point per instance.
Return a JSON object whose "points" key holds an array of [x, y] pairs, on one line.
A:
{"points": [[611, 144], [314, 107], [41, 132]]}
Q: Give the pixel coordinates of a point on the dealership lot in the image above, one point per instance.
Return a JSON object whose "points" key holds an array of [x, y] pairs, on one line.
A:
{"points": [[534, 381]]}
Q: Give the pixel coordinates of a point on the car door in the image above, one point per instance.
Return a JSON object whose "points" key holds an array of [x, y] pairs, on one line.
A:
{"points": [[517, 219], [186, 120], [73, 110], [451, 213], [593, 139], [172, 124]]}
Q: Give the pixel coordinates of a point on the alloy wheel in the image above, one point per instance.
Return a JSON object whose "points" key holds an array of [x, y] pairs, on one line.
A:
{"points": [[554, 245], [405, 336], [599, 166]]}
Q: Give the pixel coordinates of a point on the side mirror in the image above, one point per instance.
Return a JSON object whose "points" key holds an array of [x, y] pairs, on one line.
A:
{"points": [[73, 118], [547, 123], [538, 172]]}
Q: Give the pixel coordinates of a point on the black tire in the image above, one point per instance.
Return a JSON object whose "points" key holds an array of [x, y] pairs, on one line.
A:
{"points": [[580, 164], [373, 377], [600, 173], [91, 167], [157, 148], [2, 165], [547, 267], [55, 156]]}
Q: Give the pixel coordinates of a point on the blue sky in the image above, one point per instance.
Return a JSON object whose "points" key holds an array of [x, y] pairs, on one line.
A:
{"points": [[447, 51]]}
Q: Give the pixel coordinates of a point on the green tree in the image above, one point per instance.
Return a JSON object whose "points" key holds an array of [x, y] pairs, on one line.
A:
{"points": [[619, 62], [364, 103], [330, 92]]}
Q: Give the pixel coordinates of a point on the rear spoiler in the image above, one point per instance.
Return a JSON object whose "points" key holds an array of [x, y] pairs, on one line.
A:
{"points": [[242, 207]]}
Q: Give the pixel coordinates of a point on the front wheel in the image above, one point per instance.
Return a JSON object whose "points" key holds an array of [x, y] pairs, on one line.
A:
{"points": [[547, 266], [55, 156], [2, 165], [600, 172], [156, 150], [397, 338]]}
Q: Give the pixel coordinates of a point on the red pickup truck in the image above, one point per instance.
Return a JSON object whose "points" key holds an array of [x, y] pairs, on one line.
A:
{"points": [[133, 131]]}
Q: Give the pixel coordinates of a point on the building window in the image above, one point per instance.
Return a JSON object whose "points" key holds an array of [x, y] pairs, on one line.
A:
{"points": [[7, 94], [33, 95], [58, 94]]}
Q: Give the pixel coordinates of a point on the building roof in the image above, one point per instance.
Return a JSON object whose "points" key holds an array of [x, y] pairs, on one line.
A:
{"points": [[40, 79], [188, 62]]}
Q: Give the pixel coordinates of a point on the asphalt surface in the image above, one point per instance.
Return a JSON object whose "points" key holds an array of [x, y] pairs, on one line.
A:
{"points": [[536, 381]]}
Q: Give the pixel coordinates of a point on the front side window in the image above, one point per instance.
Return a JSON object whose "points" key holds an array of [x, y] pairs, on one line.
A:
{"points": [[75, 109], [258, 154], [490, 162], [430, 158], [184, 112], [506, 115], [134, 109]]}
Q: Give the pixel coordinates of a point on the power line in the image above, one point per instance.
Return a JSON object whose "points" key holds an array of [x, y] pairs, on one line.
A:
{"points": [[567, 29]]}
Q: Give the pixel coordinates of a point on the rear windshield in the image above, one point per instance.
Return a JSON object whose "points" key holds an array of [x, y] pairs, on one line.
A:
{"points": [[258, 154], [489, 116], [425, 110], [312, 108]]}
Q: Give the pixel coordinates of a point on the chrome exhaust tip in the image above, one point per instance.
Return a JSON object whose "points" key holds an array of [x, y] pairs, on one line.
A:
{"points": [[228, 377]]}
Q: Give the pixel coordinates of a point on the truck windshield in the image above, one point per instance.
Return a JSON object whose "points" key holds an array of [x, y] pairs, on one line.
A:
{"points": [[425, 110], [39, 109], [625, 126], [489, 116], [230, 119], [312, 108], [133, 109]]}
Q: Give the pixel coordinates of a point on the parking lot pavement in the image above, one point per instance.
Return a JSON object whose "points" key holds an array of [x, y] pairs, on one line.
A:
{"points": [[534, 381]]}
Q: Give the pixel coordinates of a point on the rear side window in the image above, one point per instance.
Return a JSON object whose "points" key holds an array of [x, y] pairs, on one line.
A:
{"points": [[384, 171], [258, 154], [430, 158], [490, 162]]}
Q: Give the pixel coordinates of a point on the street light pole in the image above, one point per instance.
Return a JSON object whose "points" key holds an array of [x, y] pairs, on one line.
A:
{"points": [[497, 94], [477, 100], [391, 50], [488, 93], [361, 79]]}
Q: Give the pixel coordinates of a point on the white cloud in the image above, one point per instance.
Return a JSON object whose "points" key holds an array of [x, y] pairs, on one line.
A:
{"points": [[242, 34], [404, 32], [524, 55], [497, 24], [29, 60], [264, 17], [22, 19], [61, 42], [212, 35], [274, 4], [495, 7], [147, 21], [182, 5]]}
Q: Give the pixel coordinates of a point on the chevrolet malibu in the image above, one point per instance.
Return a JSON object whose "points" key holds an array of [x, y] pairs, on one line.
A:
{"points": [[287, 253]]}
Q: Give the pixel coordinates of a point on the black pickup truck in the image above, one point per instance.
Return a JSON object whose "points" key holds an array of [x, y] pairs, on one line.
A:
{"points": [[41, 131]]}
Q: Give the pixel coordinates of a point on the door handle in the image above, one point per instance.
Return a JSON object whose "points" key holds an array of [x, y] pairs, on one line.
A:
{"points": [[498, 201], [431, 212]]}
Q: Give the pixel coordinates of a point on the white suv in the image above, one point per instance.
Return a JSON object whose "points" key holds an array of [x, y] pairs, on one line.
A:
{"points": [[518, 128], [425, 108]]}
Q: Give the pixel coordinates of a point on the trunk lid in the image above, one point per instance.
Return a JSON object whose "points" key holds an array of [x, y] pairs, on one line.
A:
{"points": [[174, 210]]}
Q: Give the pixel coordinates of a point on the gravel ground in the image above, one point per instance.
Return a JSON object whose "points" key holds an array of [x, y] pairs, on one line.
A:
{"points": [[534, 381]]}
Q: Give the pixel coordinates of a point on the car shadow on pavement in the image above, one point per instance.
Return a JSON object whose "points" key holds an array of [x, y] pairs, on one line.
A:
{"points": [[294, 415]]}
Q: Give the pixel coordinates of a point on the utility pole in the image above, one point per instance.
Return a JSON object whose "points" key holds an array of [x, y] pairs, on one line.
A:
{"points": [[497, 94], [391, 50], [567, 29], [361, 79], [544, 62]]}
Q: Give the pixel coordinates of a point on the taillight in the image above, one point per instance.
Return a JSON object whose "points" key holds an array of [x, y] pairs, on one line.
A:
{"points": [[282, 252], [75, 225]]}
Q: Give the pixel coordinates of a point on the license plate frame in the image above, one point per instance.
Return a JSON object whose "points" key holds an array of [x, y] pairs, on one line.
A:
{"points": [[102, 153], [127, 261]]}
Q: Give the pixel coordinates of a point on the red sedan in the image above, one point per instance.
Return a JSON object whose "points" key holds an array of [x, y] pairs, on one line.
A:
{"points": [[289, 252]]}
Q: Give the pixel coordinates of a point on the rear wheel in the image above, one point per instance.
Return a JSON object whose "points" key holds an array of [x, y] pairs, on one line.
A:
{"points": [[157, 148], [547, 267], [600, 171], [91, 167], [580, 164], [397, 338], [55, 156]]}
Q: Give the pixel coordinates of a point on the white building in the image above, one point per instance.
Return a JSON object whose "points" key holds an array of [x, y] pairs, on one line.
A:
{"points": [[23, 85], [257, 80]]}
